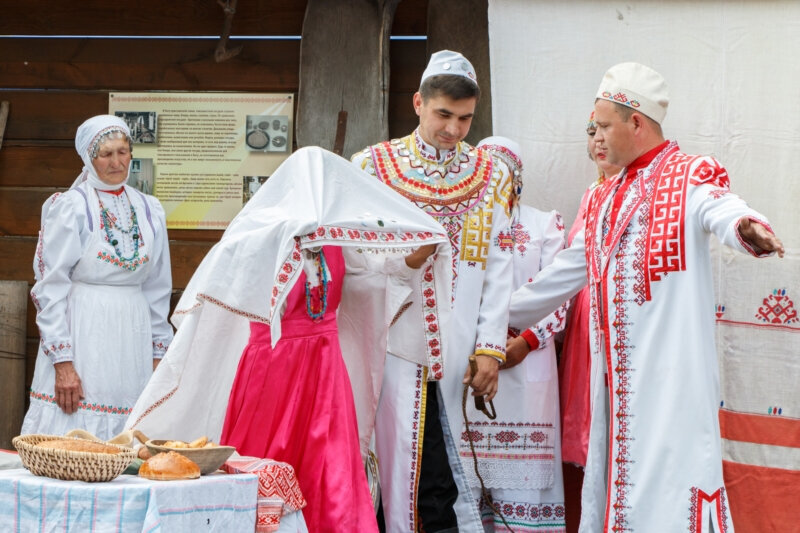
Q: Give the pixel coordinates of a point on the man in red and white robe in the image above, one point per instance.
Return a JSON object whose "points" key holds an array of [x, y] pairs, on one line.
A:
{"points": [[654, 461]]}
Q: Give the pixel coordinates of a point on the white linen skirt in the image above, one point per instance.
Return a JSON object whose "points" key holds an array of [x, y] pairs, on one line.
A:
{"points": [[113, 356]]}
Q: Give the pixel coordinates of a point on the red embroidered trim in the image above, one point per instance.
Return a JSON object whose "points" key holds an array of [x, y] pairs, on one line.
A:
{"points": [[155, 406], [539, 517], [127, 265], [52, 349], [619, 373], [95, 407], [219, 303], [430, 312], [417, 435]]}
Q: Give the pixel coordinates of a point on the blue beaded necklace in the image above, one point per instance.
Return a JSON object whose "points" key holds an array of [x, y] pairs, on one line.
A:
{"points": [[109, 223], [322, 275]]}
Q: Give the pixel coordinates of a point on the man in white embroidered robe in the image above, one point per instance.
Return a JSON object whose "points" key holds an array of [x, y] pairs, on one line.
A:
{"points": [[467, 191], [654, 461]]}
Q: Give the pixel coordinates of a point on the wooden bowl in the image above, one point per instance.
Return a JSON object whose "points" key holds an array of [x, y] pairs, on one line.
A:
{"points": [[208, 459]]}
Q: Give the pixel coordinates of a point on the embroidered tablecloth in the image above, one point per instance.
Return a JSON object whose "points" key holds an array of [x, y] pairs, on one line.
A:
{"points": [[217, 502]]}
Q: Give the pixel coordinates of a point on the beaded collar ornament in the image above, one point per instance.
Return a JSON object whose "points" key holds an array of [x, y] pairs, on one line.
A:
{"points": [[321, 290], [111, 224], [448, 188]]}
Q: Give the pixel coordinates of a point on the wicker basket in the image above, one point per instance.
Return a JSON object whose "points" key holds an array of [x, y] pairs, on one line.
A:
{"points": [[70, 465]]}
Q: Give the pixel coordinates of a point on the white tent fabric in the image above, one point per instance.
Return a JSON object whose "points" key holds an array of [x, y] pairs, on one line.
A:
{"points": [[733, 79]]}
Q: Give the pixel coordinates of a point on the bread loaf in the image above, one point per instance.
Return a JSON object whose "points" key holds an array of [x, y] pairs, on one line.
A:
{"points": [[168, 466], [78, 445]]}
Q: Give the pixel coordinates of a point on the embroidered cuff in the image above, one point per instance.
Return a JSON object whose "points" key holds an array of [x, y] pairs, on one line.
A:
{"points": [[159, 349], [58, 352], [500, 356], [757, 252], [531, 339]]}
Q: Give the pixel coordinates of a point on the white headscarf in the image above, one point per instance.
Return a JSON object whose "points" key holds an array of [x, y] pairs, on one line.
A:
{"points": [[314, 198], [85, 139]]}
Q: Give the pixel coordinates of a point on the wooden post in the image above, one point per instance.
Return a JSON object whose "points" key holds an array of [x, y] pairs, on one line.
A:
{"points": [[13, 308], [3, 120], [463, 26], [344, 66]]}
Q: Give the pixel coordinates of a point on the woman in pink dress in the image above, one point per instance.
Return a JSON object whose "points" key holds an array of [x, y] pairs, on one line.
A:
{"points": [[573, 370], [282, 329], [293, 403]]}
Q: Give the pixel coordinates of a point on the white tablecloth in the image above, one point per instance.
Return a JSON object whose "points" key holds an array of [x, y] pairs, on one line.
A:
{"points": [[217, 502]]}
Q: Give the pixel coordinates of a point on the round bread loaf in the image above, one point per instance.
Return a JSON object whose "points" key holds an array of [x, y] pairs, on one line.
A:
{"points": [[78, 445], [168, 466]]}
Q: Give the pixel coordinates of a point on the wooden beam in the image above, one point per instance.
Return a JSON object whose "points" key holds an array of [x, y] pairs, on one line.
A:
{"points": [[146, 65], [156, 17]]}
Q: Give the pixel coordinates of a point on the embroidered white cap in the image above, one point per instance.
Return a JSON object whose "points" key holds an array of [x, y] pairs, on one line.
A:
{"points": [[509, 153], [638, 87], [508, 150], [451, 63]]}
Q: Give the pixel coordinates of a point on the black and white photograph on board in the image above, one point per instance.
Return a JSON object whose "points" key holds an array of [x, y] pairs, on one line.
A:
{"points": [[143, 125]]}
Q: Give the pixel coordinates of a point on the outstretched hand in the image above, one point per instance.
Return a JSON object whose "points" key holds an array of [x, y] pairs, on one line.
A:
{"points": [[759, 237]]}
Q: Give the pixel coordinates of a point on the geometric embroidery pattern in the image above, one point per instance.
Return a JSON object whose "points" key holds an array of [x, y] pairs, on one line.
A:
{"points": [[667, 244], [521, 238], [437, 192], [698, 499], [95, 407], [524, 516], [619, 372], [476, 235], [710, 171], [508, 440], [777, 308]]}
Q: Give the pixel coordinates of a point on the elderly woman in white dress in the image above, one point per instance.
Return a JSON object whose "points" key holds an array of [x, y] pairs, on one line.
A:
{"points": [[102, 291]]}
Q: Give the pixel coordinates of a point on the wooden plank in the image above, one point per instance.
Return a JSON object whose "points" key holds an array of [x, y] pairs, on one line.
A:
{"points": [[31, 349], [38, 166], [467, 33], [195, 235], [20, 210], [13, 301], [185, 257], [51, 114], [16, 259], [156, 17], [149, 17], [55, 114], [165, 64]]}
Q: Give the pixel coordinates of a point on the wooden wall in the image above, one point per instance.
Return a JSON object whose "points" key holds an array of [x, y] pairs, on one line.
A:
{"points": [[53, 84]]}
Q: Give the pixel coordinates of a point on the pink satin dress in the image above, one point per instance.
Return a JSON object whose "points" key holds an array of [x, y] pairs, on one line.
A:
{"points": [[574, 367], [294, 404]]}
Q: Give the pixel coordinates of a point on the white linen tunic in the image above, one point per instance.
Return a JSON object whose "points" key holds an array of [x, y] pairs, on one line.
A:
{"points": [[654, 461], [106, 315], [467, 191], [519, 453]]}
